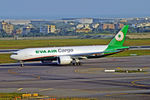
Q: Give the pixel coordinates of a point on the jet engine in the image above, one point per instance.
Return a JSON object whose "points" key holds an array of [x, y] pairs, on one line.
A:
{"points": [[63, 60]]}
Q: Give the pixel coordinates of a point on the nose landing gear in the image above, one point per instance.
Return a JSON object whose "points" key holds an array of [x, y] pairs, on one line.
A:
{"points": [[21, 64]]}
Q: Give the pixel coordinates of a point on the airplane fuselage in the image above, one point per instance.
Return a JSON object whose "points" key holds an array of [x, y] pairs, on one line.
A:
{"points": [[36, 53]]}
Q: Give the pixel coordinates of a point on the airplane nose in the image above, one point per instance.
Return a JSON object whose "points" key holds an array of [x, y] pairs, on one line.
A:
{"points": [[13, 57]]}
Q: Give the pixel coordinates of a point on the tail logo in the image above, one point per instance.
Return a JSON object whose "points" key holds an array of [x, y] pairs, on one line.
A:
{"points": [[119, 36]]}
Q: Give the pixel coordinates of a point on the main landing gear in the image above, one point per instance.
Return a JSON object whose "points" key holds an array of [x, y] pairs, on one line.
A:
{"points": [[76, 62]]}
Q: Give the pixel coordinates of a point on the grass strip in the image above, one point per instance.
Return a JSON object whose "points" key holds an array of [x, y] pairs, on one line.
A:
{"points": [[20, 44]]}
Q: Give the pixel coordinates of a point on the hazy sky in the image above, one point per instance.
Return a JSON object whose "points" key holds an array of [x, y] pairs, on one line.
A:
{"points": [[74, 8]]}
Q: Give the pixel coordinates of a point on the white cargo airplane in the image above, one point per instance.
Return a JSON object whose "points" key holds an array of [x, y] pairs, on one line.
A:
{"points": [[72, 54]]}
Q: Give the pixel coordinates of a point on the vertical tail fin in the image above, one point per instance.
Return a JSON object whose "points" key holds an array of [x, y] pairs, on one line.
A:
{"points": [[118, 40]]}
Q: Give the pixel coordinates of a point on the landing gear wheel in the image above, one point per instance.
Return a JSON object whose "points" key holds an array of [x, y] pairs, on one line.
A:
{"points": [[21, 64], [76, 62], [79, 63]]}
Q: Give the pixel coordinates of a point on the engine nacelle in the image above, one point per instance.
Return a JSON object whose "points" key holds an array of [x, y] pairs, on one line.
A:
{"points": [[64, 60]]}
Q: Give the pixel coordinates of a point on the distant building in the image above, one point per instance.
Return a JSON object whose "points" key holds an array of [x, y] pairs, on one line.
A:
{"points": [[87, 26], [123, 21], [26, 30], [95, 25], [1, 25], [83, 30], [118, 26], [83, 26], [79, 26], [143, 25], [7, 27], [48, 29], [108, 26], [19, 31], [121, 26], [52, 28]]}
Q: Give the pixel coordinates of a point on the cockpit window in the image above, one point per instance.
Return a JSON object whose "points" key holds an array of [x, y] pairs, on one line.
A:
{"points": [[14, 53]]}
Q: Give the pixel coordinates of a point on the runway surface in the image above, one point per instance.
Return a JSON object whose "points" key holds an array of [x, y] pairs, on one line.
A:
{"points": [[88, 80]]}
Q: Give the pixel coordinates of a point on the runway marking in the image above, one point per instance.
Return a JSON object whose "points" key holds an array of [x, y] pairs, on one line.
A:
{"points": [[116, 94], [90, 91], [46, 89], [143, 94], [135, 84], [146, 68], [142, 85], [88, 70], [146, 72], [19, 89], [84, 90], [15, 73], [11, 72]]}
